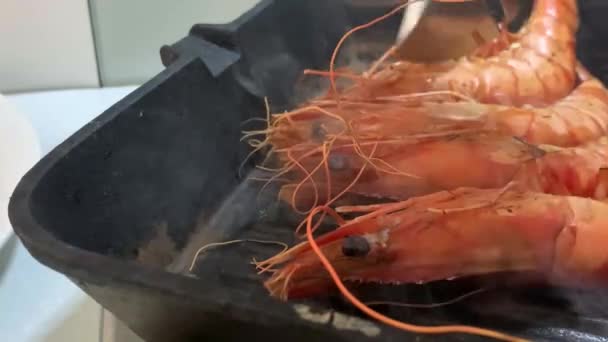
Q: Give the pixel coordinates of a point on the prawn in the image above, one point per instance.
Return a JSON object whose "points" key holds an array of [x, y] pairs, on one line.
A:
{"points": [[425, 136], [467, 160], [579, 117], [466, 232], [537, 68]]}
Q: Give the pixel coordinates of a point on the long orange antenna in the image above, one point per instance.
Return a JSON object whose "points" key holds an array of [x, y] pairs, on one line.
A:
{"points": [[332, 78], [446, 329]]}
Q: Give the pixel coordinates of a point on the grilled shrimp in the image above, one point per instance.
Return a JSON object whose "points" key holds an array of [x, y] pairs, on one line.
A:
{"points": [[467, 160], [461, 233], [537, 68], [298, 140], [580, 117]]}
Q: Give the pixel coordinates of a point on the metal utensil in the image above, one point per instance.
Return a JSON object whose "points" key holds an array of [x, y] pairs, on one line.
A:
{"points": [[434, 31]]}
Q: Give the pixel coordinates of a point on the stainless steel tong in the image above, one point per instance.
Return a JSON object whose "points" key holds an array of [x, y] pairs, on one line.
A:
{"points": [[433, 31]]}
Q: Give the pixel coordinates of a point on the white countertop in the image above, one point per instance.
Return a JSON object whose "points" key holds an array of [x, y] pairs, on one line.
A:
{"points": [[37, 303]]}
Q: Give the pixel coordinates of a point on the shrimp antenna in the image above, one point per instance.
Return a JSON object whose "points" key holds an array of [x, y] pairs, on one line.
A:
{"points": [[260, 144], [332, 78], [431, 305], [446, 329]]}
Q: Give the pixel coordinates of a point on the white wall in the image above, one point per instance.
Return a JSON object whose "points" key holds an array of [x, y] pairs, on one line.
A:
{"points": [[130, 33], [49, 44], [46, 44]]}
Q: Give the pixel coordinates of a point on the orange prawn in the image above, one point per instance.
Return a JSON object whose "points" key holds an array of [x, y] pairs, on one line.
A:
{"points": [[462, 233], [467, 160], [579, 117], [537, 68]]}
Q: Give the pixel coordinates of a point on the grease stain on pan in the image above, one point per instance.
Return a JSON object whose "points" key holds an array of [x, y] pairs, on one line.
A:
{"points": [[340, 321], [347, 322], [307, 314]]}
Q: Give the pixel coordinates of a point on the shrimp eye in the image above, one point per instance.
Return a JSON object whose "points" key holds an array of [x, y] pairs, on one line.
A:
{"points": [[337, 162], [318, 132], [355, 246]]}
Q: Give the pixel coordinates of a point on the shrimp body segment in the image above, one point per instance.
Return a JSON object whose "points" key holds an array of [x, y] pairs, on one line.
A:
{"points": [[461, 233]]}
